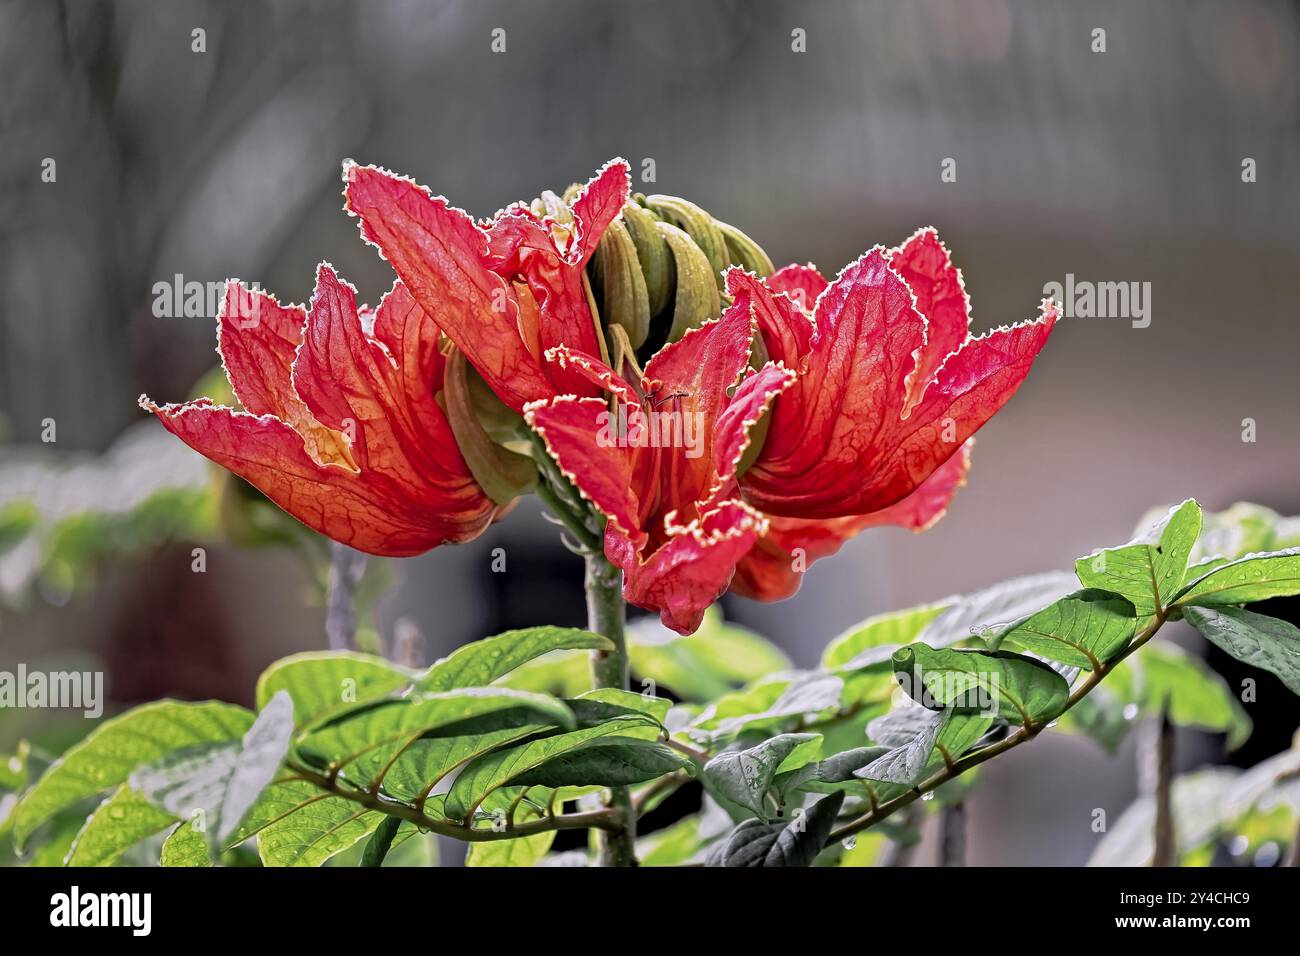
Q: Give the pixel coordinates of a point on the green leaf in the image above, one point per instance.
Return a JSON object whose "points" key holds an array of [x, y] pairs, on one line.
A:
{"points": [[653, 707], [1084, 629], [117, 746], [840, 767], [907, 764], [995, 607], [380, 842], [872, 641], [938, 738], [607, 762], [222, 781], [363, 745], [808, 694], [744, 776], [486, 773], [412, 847], [520, 851], [419, 768], [482, 662], [323, 683], [1013, 687], [1263, 642], [186, 846], [1256, 577], [121, 821], [298, 824], [715, 659], [796, 842], [1149, 569]]}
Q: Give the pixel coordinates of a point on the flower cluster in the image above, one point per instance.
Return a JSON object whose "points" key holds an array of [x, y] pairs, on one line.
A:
{"points": [[815, 409]]}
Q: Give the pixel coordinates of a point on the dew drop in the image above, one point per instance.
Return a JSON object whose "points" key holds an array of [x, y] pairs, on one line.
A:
{"points": [[849, 842], [1268, 854], [928, 796]]}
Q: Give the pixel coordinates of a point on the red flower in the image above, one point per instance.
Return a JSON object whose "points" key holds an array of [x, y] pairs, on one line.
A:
{"points": [[770, 572], [662, 466], [890, 388], [505, 294], [340, 425]]}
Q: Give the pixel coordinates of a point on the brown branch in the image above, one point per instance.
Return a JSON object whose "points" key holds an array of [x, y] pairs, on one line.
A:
{"points": [[608, 818], [958, 767]]}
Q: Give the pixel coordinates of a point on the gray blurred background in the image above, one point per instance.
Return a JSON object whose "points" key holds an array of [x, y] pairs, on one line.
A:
{"points": [[1117, 166]]}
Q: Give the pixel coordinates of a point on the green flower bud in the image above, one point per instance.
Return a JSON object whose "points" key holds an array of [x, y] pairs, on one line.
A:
{"points": [[697, 299], [745, 252], [626, 302], [697, 224], [653, 254]]}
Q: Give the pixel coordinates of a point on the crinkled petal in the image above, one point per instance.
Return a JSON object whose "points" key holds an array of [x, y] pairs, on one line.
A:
{"points": [[599, 204], [258, 340], [802, 284], [786, 329], [692, 568], [520, 244], [769, 571], [687, 383], [752, 398], [439, 254], [355, 384], [582, 438], [372, 516], [848, 438], [971, 387], [594, 371], [926, 267], [827, 430]]}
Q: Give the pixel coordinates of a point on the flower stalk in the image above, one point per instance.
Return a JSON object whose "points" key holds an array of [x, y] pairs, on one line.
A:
{"points": [[606, 615]]}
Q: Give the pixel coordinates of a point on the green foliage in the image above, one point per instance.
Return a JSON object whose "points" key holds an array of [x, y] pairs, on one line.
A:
{"points": [[795, 842], [353, 760], [1018, 688], [1264, 642], [744, 776], [107, 757], [1085, 629], [1256, 577], [1149, 569]]}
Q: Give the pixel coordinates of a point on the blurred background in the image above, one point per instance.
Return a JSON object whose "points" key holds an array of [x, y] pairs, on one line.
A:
{"points": [[169, 160]]}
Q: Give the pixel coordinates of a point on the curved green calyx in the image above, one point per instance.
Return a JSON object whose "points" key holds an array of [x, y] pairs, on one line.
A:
{"points": [[659, 269]]}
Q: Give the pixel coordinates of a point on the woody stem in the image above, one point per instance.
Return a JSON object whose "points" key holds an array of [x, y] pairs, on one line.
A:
{"points": [[606, 614]]}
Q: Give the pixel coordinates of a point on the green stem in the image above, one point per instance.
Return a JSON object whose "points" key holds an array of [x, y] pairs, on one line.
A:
{"points": [[599, 819], [606, 614]]}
